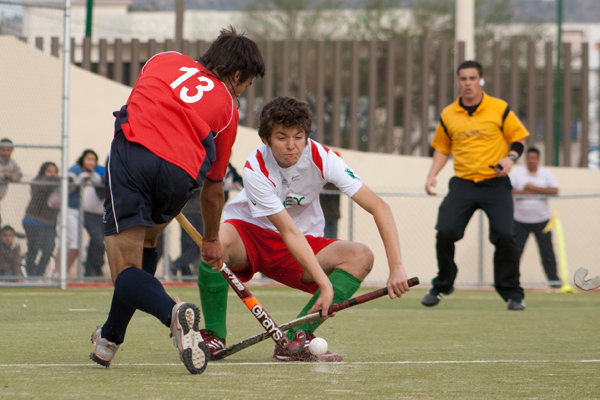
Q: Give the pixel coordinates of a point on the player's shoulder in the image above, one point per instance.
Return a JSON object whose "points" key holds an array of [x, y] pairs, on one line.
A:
{"points": [[168, 57], [317, 148], [256, 158], [450, 110], [491, 101]]}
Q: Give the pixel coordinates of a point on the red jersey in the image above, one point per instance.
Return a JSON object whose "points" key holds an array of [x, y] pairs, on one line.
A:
{"points": [[175, 103]]}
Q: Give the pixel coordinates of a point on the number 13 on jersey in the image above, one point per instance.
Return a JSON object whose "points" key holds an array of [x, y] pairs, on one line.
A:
{"points": [[205, 85]]}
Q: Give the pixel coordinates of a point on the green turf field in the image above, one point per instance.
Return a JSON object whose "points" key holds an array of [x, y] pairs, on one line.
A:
{"points": [[468, 347]]}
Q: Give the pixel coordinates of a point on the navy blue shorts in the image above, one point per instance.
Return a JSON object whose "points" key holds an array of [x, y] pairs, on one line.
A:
{"points": [[142, 189]]}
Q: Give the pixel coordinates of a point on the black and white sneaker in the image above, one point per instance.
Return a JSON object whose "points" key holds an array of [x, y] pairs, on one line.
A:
{"points": [[433, 297]]}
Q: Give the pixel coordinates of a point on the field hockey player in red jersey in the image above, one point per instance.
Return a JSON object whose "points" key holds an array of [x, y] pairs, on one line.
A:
{"points": [[173, 135]]}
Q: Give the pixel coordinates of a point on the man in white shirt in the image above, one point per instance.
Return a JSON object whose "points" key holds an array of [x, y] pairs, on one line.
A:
{"points": [[532, 214], [275, 226]]}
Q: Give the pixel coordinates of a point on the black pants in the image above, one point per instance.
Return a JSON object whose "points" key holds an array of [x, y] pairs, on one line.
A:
{"points": [[95, 254], [40, 239], [494, 197], [544, 241]]}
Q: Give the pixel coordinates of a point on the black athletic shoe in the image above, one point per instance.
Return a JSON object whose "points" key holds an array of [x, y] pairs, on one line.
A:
{"points": [[433, 297], [516, 305]]}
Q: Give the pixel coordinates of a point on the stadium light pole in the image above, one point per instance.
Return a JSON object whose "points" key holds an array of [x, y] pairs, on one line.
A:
{"points": [[558, 84]]}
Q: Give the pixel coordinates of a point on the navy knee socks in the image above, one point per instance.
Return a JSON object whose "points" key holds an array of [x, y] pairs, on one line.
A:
{"points": [[137, 289]]}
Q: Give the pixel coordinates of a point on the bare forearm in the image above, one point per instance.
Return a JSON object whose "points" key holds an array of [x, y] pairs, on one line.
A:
{"points": [[439, 160], [386, 225], [303, 254], [533, 189], [212, 199]]}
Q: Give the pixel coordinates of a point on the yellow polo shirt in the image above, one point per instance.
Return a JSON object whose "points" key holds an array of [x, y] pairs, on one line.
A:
{"points": [[479, 140]]}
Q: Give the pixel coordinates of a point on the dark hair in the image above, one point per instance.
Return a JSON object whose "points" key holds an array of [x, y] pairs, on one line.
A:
{"points": [[232, 52], [286, 111], [6, 140], [44, 167], [533, 150], [85, 153], [8, 228], [470, 64]]}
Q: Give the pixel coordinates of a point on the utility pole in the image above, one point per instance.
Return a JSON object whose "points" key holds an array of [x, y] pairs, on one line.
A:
{"points": [[558, 81], [179, 10], [464, 26], [464, 31]]}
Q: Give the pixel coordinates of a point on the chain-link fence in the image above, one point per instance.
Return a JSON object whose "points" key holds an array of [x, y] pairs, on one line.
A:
{"points": [[415, 216], [35, 127]]}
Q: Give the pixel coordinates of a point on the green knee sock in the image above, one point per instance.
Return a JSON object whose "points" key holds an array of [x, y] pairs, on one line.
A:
{"points": [[344, 286], [213, 294]]}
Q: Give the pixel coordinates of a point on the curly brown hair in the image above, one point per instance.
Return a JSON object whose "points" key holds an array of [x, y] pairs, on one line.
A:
{"points": [[286, 111]]}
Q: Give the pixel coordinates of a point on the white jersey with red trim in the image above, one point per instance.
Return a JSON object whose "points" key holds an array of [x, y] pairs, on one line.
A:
{"points": [[268, 188]]}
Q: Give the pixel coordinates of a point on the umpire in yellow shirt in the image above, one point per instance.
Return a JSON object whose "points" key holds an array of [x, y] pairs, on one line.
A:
{"points": [[486, 139]]}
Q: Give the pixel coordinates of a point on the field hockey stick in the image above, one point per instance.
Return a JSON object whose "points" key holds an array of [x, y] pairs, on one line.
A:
{"points": [[585, 284], [263, 317], [252, 340]]}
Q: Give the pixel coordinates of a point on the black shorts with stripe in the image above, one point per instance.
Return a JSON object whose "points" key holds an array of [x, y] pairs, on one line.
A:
{"points": [[142, 189]]}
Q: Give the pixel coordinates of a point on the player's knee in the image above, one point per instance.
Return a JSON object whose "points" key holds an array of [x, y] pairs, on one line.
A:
{"points": [[448, 235], [505, 239], [362, 259]]}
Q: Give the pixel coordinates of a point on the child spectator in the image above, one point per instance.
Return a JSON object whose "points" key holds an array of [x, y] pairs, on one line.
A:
{"points": [[10, 253]]}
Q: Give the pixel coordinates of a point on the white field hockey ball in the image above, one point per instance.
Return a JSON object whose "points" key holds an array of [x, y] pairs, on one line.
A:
{"points": [[318, 346]]}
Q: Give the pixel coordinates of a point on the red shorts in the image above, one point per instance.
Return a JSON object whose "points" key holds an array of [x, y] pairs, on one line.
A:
{"points": [[268, 255]]}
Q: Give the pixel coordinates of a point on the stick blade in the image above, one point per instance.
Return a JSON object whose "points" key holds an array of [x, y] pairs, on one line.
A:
{"points": [[585, 284], [296, 345]]}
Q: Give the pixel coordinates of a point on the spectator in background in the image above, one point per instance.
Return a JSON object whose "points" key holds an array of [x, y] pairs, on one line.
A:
{"points": [[532, 214], [40, 218], [190, 252], [330, 203], [10, 253], [232, 181], [486, 139], [9, 169], [83, 172], [93, 206]]}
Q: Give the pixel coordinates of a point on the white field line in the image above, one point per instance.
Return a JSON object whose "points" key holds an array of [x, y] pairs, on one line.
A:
{"points": [[218, 364]]}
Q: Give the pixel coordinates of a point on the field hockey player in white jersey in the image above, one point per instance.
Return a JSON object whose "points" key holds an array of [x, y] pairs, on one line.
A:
{"points": [[275, 227]]}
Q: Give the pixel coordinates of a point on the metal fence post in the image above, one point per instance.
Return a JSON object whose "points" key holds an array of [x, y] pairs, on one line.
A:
{"points": [[480, 261]]}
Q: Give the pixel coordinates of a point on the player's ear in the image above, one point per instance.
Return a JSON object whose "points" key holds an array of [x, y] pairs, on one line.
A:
{"points": [[236, 77], [481, 82]]}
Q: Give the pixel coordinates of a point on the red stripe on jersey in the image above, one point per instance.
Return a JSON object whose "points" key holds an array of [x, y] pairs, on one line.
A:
{"points": [[263, 166], [317, 157], [247, 165]]}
